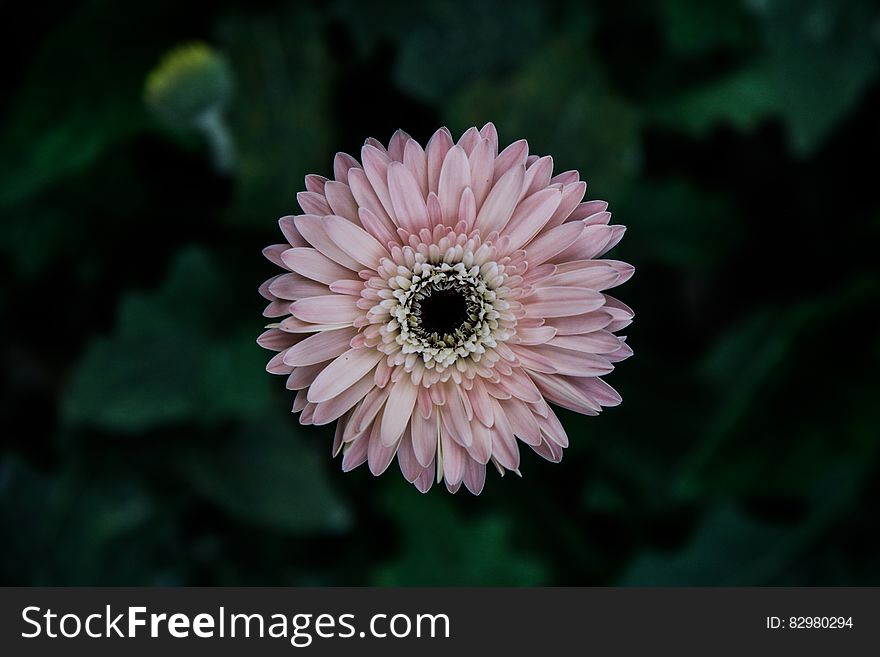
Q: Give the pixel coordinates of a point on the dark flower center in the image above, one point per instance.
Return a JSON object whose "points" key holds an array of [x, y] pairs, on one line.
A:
{"points": [[443, 311]]}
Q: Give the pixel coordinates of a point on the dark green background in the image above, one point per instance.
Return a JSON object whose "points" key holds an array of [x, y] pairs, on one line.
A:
{"points": [[143, 443]]}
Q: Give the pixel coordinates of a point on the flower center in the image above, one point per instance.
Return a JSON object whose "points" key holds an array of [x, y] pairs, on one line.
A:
{"points": [[441, 312], [445, 311]]}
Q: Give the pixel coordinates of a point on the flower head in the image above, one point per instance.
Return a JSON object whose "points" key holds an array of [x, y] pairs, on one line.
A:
{"points": [[190, 80], [435, 300]]}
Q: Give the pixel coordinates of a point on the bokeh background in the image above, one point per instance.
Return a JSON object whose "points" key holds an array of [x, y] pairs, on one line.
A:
{"points": [[143, 443]]}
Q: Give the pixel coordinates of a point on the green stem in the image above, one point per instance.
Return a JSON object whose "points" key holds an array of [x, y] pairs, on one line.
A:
{"points": [[213, 127]]}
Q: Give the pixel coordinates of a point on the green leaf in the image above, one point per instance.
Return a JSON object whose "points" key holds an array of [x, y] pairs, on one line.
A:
{"points": [[818, 59], [280, 121], [822, 55], [698, 27], [267, 475], [70, 529], [743, 100], [677, 224], [166, 362], [443, 547], [560, 101], [726, 549]]}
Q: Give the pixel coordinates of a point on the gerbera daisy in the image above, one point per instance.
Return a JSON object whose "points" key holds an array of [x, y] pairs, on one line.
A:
{"points": [[435, 300]]}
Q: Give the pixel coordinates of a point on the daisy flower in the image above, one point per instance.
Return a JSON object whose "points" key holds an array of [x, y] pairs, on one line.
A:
{"points": [[435, 301]]}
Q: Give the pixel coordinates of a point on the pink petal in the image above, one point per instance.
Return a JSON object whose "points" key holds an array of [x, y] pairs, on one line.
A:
{"points": [[573, 363], [276, 340], [291, 234], [435, 212], [455, 175], [590, 244], [616, 235], [381, 229], [302, 377], [295, 325], [571, 196], [406, 196], [313, 229], [343, 373], [510, 158], [341, 200], [277, 308], [315, 183], [342, 163], [551, 242], [397, 144], [481, 402], [315, 265], [502, 199], [482, 167], [331, 309], [417, 162], [594, 274], [522, 421], [453, 458], [355, 454], [566, 178], [273, 254], [398, 409], [533, 361], [561, 391], [355, 241], [379, 455], [366, 197], [424, 437], [588, 209], [319, 347], [333, 409], [553, 429], [467, 209], [410, 468], [577, 324], [295, 286], [469, 140], [505, 451], [537, 175], [276, 364], [438, 146], [455, 419], [489, 132], [425, 480], [313, 203], [474, 476], [530, 216], [562, 301], [538, 335], [520, 385], [597, 342]]}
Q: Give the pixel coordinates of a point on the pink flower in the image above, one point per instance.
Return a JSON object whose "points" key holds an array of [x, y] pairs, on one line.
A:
{"points": [[435, 300]]}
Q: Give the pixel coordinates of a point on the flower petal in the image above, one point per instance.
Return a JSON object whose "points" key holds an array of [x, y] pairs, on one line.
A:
{"points": [[398, 410], [343, 373], [424, 436], [406, 196], [562, 301], [455, 175], [355, 241], [330, 309], [320, 347], [502, 199], [530, 216], [313, 229], [315, 265]]}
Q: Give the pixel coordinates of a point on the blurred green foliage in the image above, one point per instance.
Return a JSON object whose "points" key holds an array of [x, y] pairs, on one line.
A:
{"points": [[144, 444]]}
